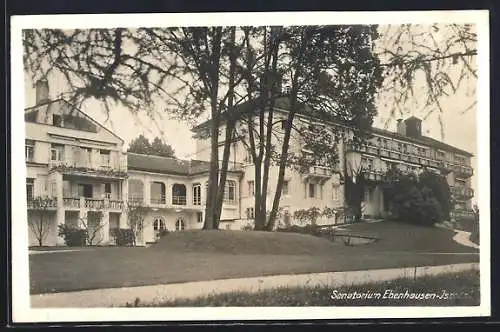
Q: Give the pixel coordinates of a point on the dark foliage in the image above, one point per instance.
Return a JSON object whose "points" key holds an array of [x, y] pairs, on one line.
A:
{"points": [[73, 237]]}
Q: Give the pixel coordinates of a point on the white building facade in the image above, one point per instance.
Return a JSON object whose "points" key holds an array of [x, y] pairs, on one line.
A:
{"points": [[81, 167]]}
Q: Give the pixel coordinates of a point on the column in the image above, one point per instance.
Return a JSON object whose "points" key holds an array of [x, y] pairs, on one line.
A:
{"points": [[57, 178], [105, 228]]}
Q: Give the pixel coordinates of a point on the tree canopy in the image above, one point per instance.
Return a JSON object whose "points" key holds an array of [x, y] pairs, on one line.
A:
{"points": [[157, 147]]}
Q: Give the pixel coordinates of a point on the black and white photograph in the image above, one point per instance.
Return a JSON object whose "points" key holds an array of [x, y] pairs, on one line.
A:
{"points": [[228, 166]]}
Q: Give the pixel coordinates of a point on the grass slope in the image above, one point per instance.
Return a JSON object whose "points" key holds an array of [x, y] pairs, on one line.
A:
{"points": [[245, 243], [207, 255]]}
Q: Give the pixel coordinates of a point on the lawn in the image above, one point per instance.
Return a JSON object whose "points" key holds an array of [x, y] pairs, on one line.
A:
{"points": [[207, 255], [458, 289]]}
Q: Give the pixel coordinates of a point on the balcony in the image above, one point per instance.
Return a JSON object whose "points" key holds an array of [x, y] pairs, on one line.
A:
{"points": [[179, 200], [318, 172], [84, 167], [72, 203], [42, 204], [462, 171], [160, 200], [373, 175], [462, 193]]}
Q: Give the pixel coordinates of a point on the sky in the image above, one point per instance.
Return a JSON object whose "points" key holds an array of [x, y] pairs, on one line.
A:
{"points": [[459, 128]]}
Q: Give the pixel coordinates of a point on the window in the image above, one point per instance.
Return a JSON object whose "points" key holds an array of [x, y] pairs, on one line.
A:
{"points": [[85, 155], [56, 152], [84, 190], [157, 193], [199, 217], [57, 120], [312, 190], [135, 190], [29, 150], [178, 194], [179, 224], [230, 192], [335, 192], [53, 189], [250, 213], [158, 223], [105, 157], [251, 188], [284, 190], [107, 190], [30, 183], [196, 194]]}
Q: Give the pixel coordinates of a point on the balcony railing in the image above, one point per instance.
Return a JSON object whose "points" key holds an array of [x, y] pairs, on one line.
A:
{"points": [[462, 192], [426, 160], [179, 200], [70, 202], [41, 204], [158, 200], [115, 204], [462, 171], [76, 165], [92, 203]]}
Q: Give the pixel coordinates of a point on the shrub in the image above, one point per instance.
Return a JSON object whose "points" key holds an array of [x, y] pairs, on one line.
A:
{"points": [[73, 237], [247, 227], [163, 232], [307, 229], [123, 236]]}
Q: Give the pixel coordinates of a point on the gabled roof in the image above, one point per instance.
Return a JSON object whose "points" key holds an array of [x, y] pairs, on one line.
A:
{"points": [[44, 106]]}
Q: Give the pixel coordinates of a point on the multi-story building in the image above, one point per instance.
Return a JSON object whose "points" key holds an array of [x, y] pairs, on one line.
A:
{"points": [[407, 149], [79, 165], [76, 162]]}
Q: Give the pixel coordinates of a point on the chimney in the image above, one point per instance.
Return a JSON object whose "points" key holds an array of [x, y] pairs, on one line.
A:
{"points": [[42, 91], [401, 127], [413, 127]]}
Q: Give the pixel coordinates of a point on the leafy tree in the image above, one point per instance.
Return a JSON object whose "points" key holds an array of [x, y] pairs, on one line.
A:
{"points": [[93, 226], [40, 226], [142, 145], [326, 83], [136, 213], [414, 202], [182, 70], [439, 187], [435, 61]]}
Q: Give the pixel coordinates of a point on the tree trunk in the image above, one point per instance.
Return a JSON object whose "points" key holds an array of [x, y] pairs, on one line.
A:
{"points": [[211, 204], [282, 167], [223, 172], [229, 130], [269, 132]]}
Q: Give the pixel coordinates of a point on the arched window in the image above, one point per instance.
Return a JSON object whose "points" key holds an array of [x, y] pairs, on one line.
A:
{"points": [[157, 193], [158, 223], [135, 190], [178, 194], [179, 224]]}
